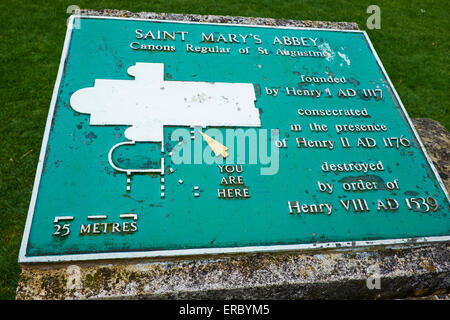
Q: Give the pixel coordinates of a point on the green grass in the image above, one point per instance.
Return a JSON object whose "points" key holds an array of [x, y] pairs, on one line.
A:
{"points": [[412, 44]]}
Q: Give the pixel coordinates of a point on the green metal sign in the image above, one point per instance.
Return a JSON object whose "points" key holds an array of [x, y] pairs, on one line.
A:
{"points": [[174, 138]]}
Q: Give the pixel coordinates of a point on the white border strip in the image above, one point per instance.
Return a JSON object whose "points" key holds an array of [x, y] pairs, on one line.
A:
{"points": [[237, 250], [203, 251], [37, 179]]}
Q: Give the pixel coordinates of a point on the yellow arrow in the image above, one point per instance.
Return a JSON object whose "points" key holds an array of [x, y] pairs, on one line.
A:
{"points": [[218, 148]]}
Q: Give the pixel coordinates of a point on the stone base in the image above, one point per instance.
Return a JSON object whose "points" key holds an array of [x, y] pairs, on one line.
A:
{"points": [[222, 19], [436, 140], [339, 274]]}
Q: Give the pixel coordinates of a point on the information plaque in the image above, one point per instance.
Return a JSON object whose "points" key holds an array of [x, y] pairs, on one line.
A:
{"points": [[170, 138]]}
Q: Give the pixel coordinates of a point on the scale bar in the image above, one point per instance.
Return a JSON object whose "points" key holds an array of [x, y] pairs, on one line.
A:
{"points": [[97, 217], [129, 215], [63, 218]]}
